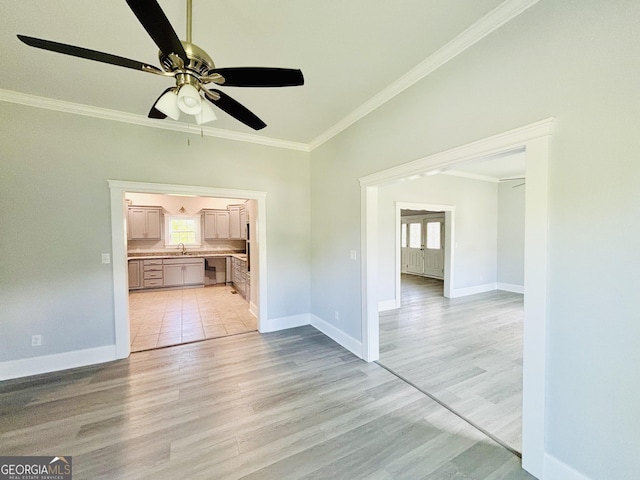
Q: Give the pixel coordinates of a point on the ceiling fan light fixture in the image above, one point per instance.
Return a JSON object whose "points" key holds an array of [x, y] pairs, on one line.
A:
{"points": [[189, 100], [206, 114], [168, 104]]}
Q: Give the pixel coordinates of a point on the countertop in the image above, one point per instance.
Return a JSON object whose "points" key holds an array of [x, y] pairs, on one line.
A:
{"points": [[148, 256]]}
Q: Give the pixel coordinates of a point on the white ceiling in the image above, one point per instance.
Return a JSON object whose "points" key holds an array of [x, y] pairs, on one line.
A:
{"points": [[348, 50]]}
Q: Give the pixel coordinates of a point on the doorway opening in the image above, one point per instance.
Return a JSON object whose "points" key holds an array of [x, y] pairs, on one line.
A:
{"points": [[189, 268], [534, 140], [119, 212]]}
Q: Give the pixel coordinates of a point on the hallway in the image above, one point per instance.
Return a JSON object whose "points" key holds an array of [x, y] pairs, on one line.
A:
{"points": [[466, 352]]}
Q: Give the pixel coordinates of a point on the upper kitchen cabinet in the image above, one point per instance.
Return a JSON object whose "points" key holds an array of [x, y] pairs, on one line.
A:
{"points": [[237, 222], [216, 224], [144, 223]]}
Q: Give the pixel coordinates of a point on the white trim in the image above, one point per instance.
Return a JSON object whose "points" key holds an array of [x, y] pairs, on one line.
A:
{"points": [[118, 189], [554, 469], [25, 367], [253, 309], [510, 287], [463, 292], [337, 335], [472, 176], [131, 118], [534, 139], [283, 323], [386, 305], [493, 20]]}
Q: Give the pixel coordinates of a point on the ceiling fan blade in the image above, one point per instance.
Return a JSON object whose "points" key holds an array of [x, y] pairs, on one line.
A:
{"points": [[259, 77], [234, 108], [157, 25], [154, 112], [88, 54]]}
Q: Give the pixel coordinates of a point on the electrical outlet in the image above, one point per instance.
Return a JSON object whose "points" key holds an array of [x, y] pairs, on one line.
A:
{"points": [[106, 258], [353, 255], [36, 340]]}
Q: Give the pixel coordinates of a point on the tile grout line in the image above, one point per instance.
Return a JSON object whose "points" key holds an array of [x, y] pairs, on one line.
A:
{"points": [[452, 410]]}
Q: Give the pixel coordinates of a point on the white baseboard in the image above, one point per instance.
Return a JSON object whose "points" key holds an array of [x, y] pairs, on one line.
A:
{"points": [[337, 335], [554, 469], [463, 292], [59, 361], [510, 287], [282, 323], [253, 309], [386, 305]]}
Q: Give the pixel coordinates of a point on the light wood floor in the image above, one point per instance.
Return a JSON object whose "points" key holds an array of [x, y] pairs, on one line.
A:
{"points": [[158, 318], [285, 405], [467, 352]]}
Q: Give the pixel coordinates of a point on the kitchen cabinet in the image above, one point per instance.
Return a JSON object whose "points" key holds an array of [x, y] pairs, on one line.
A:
{"points": [[216, 224], [239, 275], [144, 223], [235, 225], [179, 272], [135, 274], [152, 273], [244, 220]]}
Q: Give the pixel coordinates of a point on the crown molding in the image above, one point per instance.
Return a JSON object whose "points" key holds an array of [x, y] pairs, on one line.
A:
{"points": [[493, 20], [472, 176], [116, 116]]}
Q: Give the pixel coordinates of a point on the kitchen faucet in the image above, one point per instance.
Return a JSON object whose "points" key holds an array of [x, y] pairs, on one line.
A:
{"points": [[183, 250]]}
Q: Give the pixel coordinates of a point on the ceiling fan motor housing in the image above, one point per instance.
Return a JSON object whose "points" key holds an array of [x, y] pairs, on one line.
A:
{"points": [[199, 61]]}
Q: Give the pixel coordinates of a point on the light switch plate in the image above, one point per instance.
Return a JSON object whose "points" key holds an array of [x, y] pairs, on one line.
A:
{"points": [[106, 258], [353, 255]]}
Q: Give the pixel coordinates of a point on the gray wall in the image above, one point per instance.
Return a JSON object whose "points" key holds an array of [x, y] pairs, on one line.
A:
{"points": [[577, 61], [511, 233], [476, 226], [56, 220]]}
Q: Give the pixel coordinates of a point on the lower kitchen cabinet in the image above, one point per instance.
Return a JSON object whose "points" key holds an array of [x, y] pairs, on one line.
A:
{"points": [[135, 274], [239, 275], [183, 271]]}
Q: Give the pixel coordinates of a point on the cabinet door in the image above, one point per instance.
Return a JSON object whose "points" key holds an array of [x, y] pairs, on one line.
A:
{"points": [[222, 224], [193, 274], [243, 223], [209, 225], [234, 222], [135, 277], [172, 275], [137, 223], [154, 225]]}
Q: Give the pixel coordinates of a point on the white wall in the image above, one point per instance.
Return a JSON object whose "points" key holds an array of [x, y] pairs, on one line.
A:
{"points": [[576, 61], [55, 197], [511, 234], [476, 223]]}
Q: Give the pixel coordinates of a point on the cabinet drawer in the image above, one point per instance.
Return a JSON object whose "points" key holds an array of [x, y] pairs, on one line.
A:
{"points": [[154, 282], [153, 262], [152, 274], [148, 268], [183, 261]]}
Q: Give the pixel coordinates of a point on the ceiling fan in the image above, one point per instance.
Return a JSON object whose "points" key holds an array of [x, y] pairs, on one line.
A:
{"points": [[190, 66]]}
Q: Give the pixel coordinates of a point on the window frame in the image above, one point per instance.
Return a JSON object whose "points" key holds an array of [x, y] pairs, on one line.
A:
{"points": [[197, 230]]}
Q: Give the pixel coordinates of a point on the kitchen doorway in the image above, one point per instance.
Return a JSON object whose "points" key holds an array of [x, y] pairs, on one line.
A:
{"points": [[189, 278], [258, 279]]}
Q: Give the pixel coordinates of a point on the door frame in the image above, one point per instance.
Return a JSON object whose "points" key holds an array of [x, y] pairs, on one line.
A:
{"points": [[449, 233], [118, 189], [534, 141]]}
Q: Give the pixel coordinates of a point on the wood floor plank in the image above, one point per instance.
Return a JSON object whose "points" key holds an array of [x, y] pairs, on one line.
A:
{"points": [[287, 405], [467, 352]]}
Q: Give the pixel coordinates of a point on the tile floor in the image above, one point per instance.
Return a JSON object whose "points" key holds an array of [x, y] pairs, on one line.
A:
{"points": [[170, 317]]}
